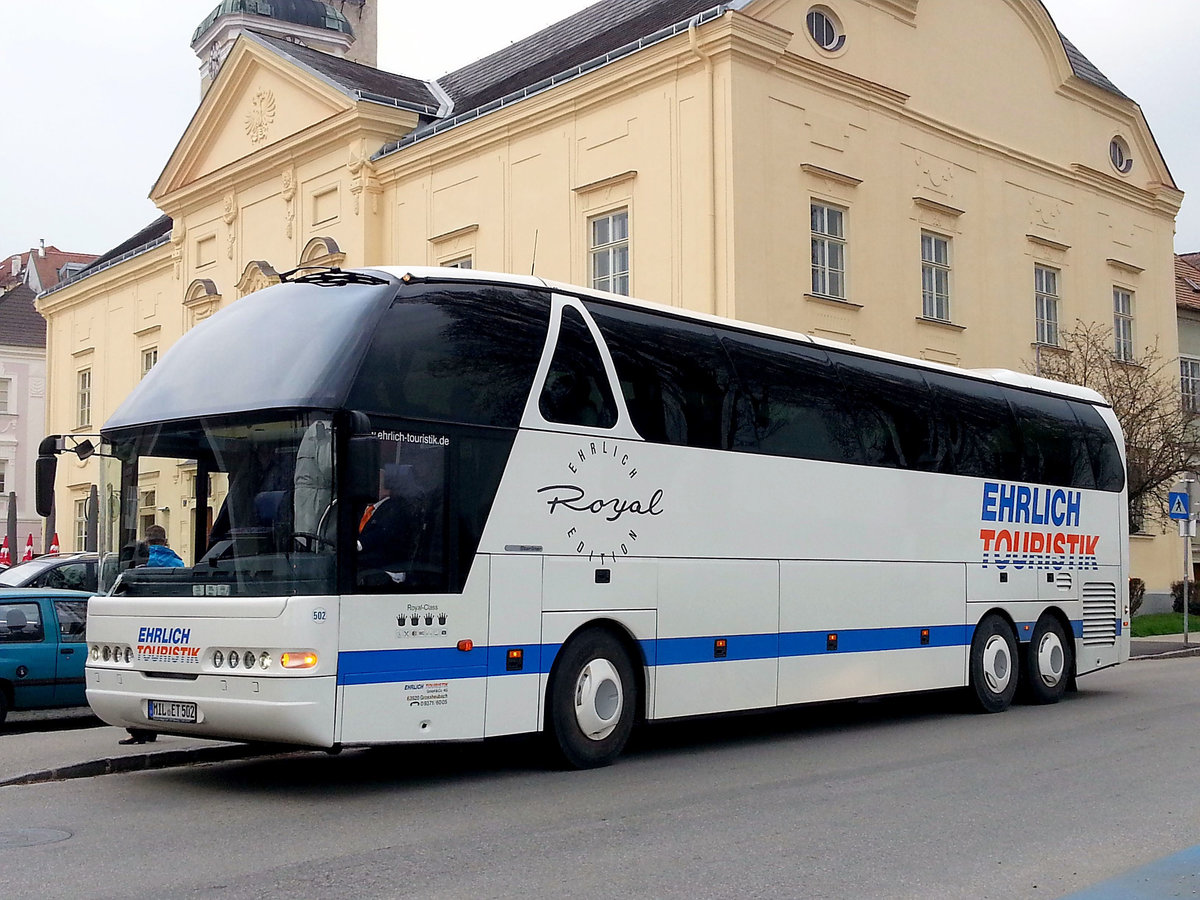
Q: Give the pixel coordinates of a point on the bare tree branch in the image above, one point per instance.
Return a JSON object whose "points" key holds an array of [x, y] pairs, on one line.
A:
{"points": [[1144, 393]]}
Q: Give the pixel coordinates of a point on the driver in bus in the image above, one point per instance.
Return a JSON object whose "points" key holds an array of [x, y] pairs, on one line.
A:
{"points": [[387, 525]]}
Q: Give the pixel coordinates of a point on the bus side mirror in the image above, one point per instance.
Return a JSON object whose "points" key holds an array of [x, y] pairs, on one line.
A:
{"points": [[362, 483], [44, 468]]}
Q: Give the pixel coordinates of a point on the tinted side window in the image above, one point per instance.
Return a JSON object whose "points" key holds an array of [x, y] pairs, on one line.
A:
{"points": [[894, 410], [576, 391], [796, 401], [1052, 446], [1105, 454], [674, 376], [20, 623], [461, 354], [979, 427], [421, 534]]}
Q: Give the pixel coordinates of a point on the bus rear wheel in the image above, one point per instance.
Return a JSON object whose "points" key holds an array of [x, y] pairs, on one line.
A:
{"points": [[592, 700], [993, 664], [1049, 661]]}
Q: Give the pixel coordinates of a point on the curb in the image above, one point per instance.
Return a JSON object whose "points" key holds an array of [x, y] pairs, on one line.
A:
{"points": [[1169, 654], [164, 759]]}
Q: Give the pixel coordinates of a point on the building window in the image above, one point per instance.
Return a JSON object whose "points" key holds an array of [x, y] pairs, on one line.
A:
{"points": [[609, 251], [5, 384], [1123, 324], [1189, 371], [1045, 292], [825, 29], [83, 399], [1118, 154], [80, 524], [935, 277], [463, 262], [3, 476], [149, 358], [828, 251]]}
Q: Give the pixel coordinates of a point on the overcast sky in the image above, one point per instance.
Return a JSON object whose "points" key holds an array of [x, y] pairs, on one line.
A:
{"points": [[98, 92]]}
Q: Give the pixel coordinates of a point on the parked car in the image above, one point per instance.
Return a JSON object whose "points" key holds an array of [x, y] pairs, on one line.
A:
{"points": [[65, 571], [42, 648]]}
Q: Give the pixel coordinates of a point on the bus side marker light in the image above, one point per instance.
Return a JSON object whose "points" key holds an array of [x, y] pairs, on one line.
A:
{"points": [[831, 642], [515, 661], [924, 637], [720, 648], [298, 659], [466, 646]]}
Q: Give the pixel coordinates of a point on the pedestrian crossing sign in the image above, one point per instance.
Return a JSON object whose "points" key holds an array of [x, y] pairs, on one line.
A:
{"points": [[1178, 503]]}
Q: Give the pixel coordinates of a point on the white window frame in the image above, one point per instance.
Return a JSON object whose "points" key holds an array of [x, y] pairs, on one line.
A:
{"points": [[83, 398], [1123, 324], [935, 276], [149, 359], [5, 393], [462, 262], [1189, 382], [608, 242], [829, 249], [1046, 304], [81, 524], [3, 477]]}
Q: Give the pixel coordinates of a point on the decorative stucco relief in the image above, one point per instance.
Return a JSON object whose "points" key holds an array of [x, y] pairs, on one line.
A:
{"points": [[362, 177], [289, 195], [229, 216], [178, 235], [258, 275], [261, 115]]}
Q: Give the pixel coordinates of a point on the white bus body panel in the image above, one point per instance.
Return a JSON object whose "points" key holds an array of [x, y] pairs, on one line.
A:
{"points": [[407, 680]]}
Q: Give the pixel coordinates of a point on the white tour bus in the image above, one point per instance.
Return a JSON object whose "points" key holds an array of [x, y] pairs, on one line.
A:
{"points": [[443, 505]]}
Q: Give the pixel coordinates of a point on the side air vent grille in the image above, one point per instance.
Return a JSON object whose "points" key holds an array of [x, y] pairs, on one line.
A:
{"points": [[1099, 613]]}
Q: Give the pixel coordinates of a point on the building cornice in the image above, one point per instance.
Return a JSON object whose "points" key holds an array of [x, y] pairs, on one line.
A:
{"points": [[112, 278]]}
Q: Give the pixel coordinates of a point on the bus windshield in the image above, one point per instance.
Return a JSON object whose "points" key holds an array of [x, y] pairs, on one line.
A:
{"points": [[257, 508]]}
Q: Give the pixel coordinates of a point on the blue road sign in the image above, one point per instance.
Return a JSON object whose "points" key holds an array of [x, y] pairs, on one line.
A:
{"points": [[1178, 502]]}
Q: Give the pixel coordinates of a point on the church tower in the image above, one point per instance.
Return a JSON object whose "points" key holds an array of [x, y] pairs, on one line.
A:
{"points": [[345, 28]]}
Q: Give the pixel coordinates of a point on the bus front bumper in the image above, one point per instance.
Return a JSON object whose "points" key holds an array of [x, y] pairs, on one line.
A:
{"points": [[233, 708]]}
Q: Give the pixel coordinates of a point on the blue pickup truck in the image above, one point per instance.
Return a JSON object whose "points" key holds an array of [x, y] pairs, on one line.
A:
{"points": [[42, 648]]}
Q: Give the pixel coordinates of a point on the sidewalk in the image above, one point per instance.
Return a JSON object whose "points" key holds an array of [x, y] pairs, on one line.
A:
{"points": [[1164, 646]]}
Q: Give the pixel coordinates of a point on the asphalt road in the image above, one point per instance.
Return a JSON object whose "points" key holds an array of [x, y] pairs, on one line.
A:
{"points": [[896, 799]]}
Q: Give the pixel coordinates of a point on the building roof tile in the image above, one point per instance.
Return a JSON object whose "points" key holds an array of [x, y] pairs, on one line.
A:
{"points": [[21, 325]]}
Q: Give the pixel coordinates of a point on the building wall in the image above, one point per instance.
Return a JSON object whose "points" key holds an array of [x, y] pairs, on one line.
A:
{"points": [[22, 427], [716, 142]]}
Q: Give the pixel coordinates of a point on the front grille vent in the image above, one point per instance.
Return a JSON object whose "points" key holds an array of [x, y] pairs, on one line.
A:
{"points": [[1099, 613]]}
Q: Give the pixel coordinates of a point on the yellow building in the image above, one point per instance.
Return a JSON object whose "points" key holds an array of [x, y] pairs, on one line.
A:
{"points": [[947, 180]]}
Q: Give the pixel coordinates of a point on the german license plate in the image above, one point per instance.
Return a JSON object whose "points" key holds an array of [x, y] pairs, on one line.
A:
{"points": [[170, 711]]}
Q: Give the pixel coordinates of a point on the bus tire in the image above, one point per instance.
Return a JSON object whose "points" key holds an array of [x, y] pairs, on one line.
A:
{"points": [[994, 668], [592, 700], [1049, 661]]}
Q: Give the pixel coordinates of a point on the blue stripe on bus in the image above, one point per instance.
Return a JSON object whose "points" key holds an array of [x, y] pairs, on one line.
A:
{"points": [[445, 663]]}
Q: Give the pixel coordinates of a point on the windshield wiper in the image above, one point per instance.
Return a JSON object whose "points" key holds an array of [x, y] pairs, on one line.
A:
{"points": [[329, 276]]}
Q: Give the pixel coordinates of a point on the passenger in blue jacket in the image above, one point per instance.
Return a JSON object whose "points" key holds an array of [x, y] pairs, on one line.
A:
{"points": [[160, 553]]}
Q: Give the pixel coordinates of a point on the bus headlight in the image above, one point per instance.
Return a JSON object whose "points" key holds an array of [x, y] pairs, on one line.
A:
{"points": [[218, 659], [298, 659], [95, 652], [264, 660]]}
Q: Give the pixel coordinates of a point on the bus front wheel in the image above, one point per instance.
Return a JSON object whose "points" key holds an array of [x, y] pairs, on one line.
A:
{"points": [[592, 700], [993, 664], [1049, 661]]}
